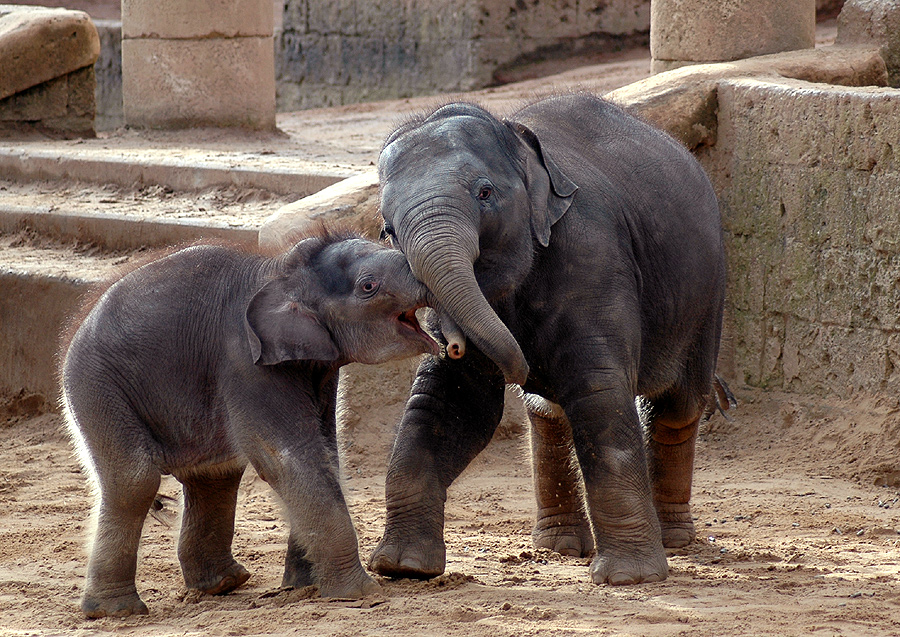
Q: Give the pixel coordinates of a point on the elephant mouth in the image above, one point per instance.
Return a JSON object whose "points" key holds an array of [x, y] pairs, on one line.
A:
{"points": [[408, 327]]}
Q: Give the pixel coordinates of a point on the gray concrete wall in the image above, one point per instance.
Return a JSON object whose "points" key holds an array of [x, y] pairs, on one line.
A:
{"points": [[108, 71], [808, 177], [336, 52]]}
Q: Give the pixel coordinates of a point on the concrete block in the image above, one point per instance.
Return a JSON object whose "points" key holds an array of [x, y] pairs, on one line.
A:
{"points": [[39, 44], [176, 19], [873, 23], [701, 31], [684, 102], [808, 187], [214, 82]]}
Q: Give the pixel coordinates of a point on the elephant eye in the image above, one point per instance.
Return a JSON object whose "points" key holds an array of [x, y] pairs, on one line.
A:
{"points": [[485, 192], [368, 288]]}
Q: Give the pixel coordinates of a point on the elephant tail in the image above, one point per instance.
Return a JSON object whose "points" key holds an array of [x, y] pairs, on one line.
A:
{"points": [[721, 400]]}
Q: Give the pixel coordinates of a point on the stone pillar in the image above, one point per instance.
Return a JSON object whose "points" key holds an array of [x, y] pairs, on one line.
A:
{"points": [[684, 32], [198, 63]]}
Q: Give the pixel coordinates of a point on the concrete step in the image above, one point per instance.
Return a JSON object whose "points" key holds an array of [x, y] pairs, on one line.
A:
{"points": [[119, 218]]}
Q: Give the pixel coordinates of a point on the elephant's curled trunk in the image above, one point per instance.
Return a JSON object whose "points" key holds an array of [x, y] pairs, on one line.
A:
{"points": [[443, 261]]}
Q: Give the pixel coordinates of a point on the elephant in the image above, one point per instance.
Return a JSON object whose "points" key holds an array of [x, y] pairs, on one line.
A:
{"points": [[579, 253], [208, 359]]}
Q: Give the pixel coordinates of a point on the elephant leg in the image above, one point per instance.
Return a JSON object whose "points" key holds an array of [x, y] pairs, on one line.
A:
{"points": [[298, 571], [452, 413], [125, 499], [672, 430], [113, 444], [207, 530], [561, 524], [322, 543], [610, 448]]}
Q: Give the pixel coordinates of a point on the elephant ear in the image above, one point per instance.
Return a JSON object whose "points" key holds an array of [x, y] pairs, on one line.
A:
{"points": [[280, 329], [549, 189]]}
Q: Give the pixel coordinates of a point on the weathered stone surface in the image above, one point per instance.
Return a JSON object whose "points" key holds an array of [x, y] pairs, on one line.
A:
{"points": [[210, 82], [701, 31], [39, 44], [808, 180], [683, 101], [352, 202], [176, 19], [108, 69], [335, 52], [62, 107], [873, 23]]}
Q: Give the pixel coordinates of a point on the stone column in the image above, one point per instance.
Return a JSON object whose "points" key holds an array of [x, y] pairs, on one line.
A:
{"points": [[684, 32], [198, 63]]}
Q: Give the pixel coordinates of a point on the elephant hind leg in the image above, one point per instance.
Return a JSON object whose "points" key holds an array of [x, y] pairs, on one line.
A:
{"points": [[561, 523], [672, 433], [207, 530], [126, 484]]}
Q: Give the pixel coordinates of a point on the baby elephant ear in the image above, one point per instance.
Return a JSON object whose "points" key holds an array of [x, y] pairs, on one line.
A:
{"points": [[280, 329], [549, 189]]}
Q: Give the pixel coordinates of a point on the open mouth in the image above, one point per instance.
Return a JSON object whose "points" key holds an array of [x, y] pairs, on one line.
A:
{"points": [[409, 323]]}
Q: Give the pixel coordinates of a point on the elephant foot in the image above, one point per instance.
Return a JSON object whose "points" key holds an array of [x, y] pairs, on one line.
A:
{"points": [[224, 582], [356, 587], [573, 540], [422, 558], [120, 606], [621, 570], [677, 524]]}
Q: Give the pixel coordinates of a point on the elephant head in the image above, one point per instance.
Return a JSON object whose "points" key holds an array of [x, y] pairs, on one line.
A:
{"points": [[466, 196], [338, 299]]}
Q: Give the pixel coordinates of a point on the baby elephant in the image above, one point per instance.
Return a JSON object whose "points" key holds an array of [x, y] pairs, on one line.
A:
{"points": [[202, 361]]}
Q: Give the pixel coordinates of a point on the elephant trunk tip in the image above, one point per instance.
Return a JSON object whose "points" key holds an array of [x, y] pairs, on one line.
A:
{"points": [[456, 350]]}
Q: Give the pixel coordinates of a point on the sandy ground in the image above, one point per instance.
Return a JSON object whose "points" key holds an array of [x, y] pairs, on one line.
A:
{"points": [[797, 501], [797, 506]]}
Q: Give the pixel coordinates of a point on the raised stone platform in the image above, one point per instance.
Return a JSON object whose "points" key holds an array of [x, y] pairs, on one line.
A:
{"points": [[47, 82]]}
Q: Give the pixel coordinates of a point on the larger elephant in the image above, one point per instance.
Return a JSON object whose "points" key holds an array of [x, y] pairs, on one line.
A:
{"points": [[580, 251]]}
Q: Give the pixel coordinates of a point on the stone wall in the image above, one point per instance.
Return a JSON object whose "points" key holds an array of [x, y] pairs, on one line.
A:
{"points": [[334, 52], [808, 177]]}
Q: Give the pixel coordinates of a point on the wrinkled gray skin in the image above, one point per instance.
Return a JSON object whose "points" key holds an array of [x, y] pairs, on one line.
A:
{"points": [[210, 358], [579, 252]]}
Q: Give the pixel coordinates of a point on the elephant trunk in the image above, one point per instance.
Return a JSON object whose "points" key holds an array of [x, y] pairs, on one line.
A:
{"points": [[456, 338], [441, 255]]}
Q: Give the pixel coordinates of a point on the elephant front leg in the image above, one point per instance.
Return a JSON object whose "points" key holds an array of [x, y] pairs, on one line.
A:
{"points": [[561, 524], [322, 545], [452, 413], [610, 449]]}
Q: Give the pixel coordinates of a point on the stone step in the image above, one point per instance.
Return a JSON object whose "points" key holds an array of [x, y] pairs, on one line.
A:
{"points": [[41, 284], [183, 169], [118, 218]]}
